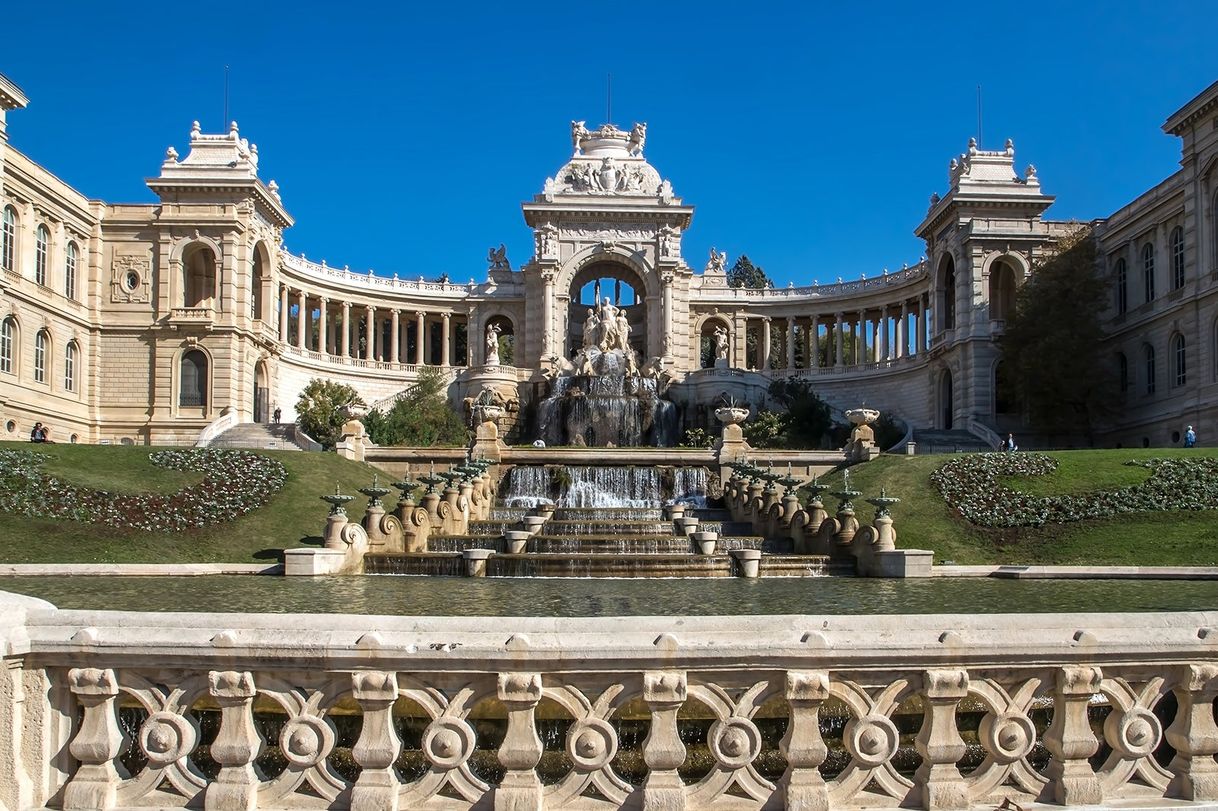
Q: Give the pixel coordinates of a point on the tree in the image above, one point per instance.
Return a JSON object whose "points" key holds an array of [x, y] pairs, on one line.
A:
{"points": [[1055, 362], [422, 417], [745, 274], [810, 416], [323, 407]]}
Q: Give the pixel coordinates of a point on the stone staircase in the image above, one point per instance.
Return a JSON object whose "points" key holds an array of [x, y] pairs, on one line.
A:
{"points": [[262, 436], [930, 441]]}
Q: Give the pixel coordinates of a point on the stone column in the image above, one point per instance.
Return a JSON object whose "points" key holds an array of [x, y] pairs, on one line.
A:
{"points": [[802, 786], [394, 336], [885, 343], [445, 346], [97, 742], [765, 343], [790, 344], [547, 314], [521, 749], [283, 314], [667, 320], [370, 333], [1194, 735], [237, 744], [920, 325], [876, 331], [378, 745], [939, 742], [902, 333], [323, 337], [810, 346], [420, 337], [664, 691], [346, 339], [1070, 740], [839, 339], [302, 320]]}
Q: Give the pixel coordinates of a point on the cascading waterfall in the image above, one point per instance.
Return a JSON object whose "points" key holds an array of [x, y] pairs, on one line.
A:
{"points": [[597, 487], [611, 410]]}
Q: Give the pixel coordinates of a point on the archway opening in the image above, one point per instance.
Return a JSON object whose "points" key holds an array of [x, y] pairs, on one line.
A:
{"points": [[624, 290], [714, 343], [499, 341], [262, 394], [947, 292], [193, 383], [259, 284], [1002, 291], [945, 400], [199, 277]]}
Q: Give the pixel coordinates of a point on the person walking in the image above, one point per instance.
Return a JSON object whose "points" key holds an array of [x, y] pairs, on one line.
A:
{"points": [[278, 414], [1190, 437]]}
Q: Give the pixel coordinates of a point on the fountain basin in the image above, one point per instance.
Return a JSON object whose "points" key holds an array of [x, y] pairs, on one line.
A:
{"points": [[748, 562], [475, 561], [516, 540], [706, 541]]}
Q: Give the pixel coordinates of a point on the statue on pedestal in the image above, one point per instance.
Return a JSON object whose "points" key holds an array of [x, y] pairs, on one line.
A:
{"points": [[492, 344]]}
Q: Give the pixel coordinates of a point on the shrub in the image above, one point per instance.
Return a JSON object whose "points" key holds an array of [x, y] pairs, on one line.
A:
{"points": [[422, 417], [323, 407]]}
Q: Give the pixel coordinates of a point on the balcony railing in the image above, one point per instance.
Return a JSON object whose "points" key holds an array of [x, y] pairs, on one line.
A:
{"points": [[288, 711], [191, 315]]}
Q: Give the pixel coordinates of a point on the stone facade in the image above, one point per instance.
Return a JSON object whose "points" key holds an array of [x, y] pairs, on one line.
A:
{"points": [[148, 323]]}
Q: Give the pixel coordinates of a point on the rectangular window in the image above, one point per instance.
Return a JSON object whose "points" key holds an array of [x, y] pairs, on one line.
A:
{"points": [[40, 360]]}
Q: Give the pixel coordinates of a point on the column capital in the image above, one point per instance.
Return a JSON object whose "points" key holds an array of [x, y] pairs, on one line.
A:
{"points": [[346, 305], [371, 308], [446, 316], [324, 301]]}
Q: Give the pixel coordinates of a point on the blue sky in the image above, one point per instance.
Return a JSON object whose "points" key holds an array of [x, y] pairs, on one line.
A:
{"points": [[404, 137]]}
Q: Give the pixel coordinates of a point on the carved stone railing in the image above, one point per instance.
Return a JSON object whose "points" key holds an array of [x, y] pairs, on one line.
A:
{"points": [[191, 315], [420, 286], [840, 289], [105, 710]]}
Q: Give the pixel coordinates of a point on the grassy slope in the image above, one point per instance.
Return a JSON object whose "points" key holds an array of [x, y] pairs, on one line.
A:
{"points": [[924, 521], [294, 516]]}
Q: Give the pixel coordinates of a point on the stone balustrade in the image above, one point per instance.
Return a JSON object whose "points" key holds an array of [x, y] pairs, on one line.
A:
{"points": [[226, 711]]}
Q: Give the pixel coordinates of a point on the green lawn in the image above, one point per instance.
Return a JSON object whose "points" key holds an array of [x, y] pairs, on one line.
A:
{"points": [[924, 521], [294, 516]]}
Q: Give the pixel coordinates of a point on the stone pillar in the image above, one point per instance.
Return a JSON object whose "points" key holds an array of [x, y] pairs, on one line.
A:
{"points": [[885, 344], [346, 347], [283, 314], [802, 786], [1070, 740], [323, 337], [237, 743], [812, 343], [445, 339], [939, 742], [664, 691], [302, 320], [370, 333], [378, 745], [521, 750], [903, 331], [97, 742], [765, 344], [920, 325], [877, 353], [1194, 735], [420, 337], [839, 339], [666, 279], [547, 314], [394, 335], [790, 344]]}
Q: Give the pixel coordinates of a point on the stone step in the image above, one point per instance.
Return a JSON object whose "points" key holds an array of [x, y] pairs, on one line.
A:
{"points": [[259, 436]]}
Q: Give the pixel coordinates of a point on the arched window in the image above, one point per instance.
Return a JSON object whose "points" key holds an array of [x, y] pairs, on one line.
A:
{"points": [[42, 244], [1122, 287], [42, 344], [1149, 360], [1002, 291], [949, 293], [1148, 270], [1177, 258], [8, 239], [1179, 361], [198, 277], [193, 389], [69, 366], [69, 271], [1122, 372], [8, 345]]}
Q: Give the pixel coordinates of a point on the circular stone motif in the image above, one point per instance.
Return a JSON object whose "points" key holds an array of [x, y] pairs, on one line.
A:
{"points": [[166, 737], [871, 740], [734, 742], [1135, 733], [591, 743], [448, 742], [306, 740], [1008, 737]]}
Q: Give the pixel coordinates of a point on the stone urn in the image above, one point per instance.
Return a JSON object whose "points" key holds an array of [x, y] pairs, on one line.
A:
{"points": [[532, 523], [706, 542], [687, 524], [861, 446], [733, 415], [517, 541], [862, 416]]}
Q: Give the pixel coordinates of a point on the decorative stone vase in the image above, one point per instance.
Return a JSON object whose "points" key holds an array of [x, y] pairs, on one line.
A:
{"points": [[675, 511], [734, 415], [532, 523], [862, 416], [517, 541], [687, 525], [706, 542]]}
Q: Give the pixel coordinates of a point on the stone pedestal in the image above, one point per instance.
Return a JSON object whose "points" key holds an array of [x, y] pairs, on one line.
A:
{"points": [[902, 563], [706, 541], [475, 561], [748, 561], [312, 562]]}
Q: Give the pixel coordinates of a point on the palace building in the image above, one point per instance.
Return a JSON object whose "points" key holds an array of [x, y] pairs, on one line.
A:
{"points": [[155, 323]]}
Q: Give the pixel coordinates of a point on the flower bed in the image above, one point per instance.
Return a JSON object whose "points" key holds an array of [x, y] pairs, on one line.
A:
{"points": [[234, 482], [973, 486]]}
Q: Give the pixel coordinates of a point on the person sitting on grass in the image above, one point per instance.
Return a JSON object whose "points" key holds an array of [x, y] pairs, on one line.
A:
{"points": [[38, 433]]}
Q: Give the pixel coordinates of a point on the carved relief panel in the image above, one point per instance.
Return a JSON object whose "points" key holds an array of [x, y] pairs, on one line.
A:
{"points": [[131, 279]]}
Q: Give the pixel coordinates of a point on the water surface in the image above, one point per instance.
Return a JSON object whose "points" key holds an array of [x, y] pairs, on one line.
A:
{"points": [[563, 597]]}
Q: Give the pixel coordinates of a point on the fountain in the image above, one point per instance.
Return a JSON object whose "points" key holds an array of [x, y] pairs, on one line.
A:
{"points": [[608, 399]]}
